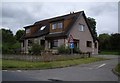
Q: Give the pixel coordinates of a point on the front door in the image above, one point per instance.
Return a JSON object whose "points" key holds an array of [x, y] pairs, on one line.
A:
{"points": [[76, 46]]}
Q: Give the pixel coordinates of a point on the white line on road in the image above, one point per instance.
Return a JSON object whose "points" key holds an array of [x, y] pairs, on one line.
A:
{"points": [[19, 71], [101, 65], [4, 70]]}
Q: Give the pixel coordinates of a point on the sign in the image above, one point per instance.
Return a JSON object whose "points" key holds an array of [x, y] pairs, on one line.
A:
{"points": [[70, 39], [72, 45]]}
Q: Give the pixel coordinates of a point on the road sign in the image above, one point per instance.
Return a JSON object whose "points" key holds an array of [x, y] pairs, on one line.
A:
{"points": [[72, 45], [70, 39]]}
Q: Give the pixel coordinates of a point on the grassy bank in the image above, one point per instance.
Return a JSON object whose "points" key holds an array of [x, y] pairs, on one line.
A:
{"points": [[109, 53], [117, 68], [14, 64]]}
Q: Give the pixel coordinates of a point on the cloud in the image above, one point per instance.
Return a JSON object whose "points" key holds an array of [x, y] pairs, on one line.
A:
{"points": [[101, 8], [17, 15]]}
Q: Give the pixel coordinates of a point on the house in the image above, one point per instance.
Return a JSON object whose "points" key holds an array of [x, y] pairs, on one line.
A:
{"points": [[54, 32]]}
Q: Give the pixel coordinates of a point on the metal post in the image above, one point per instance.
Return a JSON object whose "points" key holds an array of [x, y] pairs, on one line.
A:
{"points": [[71, 50]]}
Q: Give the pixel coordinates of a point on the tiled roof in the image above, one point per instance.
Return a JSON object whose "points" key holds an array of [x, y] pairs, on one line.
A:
{"points": [[47, 22]]}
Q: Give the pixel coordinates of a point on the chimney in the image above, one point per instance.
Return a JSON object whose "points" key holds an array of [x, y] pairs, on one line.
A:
{"points": [[72, 12]]}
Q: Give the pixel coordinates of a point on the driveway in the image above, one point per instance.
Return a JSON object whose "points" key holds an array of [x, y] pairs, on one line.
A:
{"points": [[97, 71]]}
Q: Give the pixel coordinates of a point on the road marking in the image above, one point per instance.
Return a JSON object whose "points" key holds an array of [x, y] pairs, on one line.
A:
{"points": [[19, 71], [101, 65], [4, 70]]}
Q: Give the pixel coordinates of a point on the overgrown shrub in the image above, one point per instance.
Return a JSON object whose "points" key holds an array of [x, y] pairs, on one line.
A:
{"points": [[76, 50], [8, 48], [36, 49], [63, 50]]}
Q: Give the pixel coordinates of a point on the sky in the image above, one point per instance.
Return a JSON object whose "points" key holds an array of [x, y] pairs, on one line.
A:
{"points": [[16, 15]]}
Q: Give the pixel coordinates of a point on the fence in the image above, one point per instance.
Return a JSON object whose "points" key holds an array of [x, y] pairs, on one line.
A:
{"points": [[42, 58]]}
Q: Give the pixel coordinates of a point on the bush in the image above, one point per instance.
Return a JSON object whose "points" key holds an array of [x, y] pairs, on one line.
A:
{"points": [[63, 50], [36, 49], [76, 50]]}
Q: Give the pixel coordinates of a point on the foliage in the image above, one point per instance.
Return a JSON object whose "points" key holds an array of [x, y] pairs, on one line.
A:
{"points": [[36, 49], [104, 42], [19, 34], [10, 48], [109, 52], [115, 41], [92, 24], [76, 50], [7, 36], [9, 42], [63, 50], [109, 42], [117, 68]]}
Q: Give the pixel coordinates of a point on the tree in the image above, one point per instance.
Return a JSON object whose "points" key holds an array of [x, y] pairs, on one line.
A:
{"points": [[9, 42], [115, 41], [19, 34], [7, 36], [92, 24], [104, 41], [109, 42]]}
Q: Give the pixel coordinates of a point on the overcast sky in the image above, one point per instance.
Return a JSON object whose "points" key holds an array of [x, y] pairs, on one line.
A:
{"points": [[17, 15]]}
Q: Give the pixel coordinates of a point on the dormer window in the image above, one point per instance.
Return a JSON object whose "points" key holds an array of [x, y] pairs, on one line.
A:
{"points": [[42, 28], [54, 26], [27, 31], [60, 25]]}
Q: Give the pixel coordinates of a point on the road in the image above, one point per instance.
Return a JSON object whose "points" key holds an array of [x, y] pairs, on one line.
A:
{"points": [[97, 71]]}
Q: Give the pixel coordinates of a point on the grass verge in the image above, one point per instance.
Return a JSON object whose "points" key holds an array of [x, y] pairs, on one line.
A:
{"points": [[109, 53], [117, 68], [14, 64]]}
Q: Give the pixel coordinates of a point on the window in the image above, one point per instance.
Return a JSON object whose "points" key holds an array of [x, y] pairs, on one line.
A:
{"points": [[27, 30], [54, 43], [81, 28], [54, 26], [29, 42], [42, 28], [95, 44], [89, 44], [60, 25]]}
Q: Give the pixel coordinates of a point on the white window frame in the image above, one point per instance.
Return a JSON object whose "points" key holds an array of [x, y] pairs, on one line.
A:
{"points": [[60, 25], [54, 26], [81, 27]]}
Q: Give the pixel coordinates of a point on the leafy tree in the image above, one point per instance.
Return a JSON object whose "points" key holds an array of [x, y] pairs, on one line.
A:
{"points": [[104, 41], [109, 42], [19, 34], [92, 24], [7, 36], [9, 42], [115, 41]]}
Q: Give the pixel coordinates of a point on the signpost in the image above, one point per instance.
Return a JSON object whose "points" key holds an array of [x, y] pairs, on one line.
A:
{"points": [[70, 40]]}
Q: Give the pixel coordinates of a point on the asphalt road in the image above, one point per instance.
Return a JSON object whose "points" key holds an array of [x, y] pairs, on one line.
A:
{"points": [[97, 71]]}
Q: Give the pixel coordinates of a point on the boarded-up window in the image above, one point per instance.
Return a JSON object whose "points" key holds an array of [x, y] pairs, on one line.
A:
{"points": [[89, 44]]}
